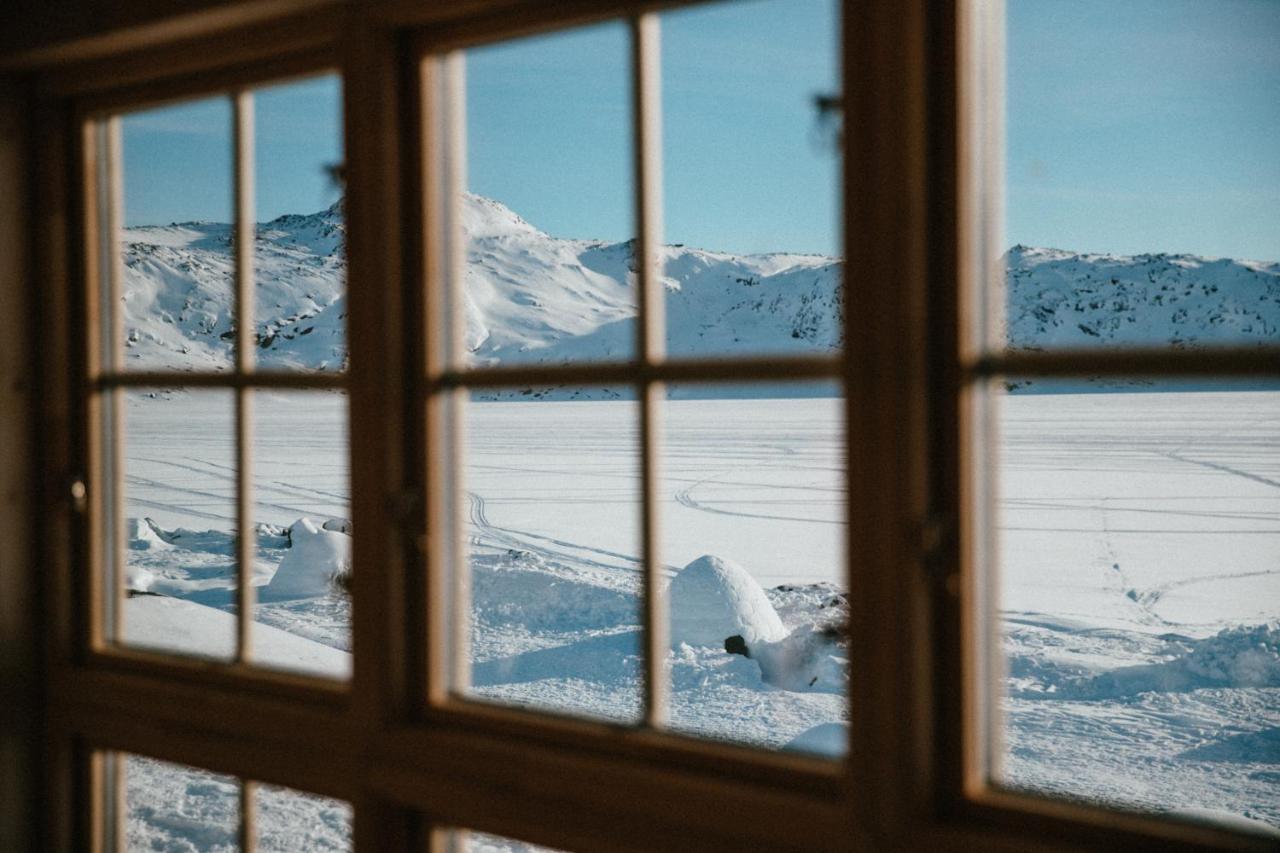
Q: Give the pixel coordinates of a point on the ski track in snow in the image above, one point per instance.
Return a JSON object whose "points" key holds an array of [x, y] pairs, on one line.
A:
{"points": [[532, 542], [684, 497]]}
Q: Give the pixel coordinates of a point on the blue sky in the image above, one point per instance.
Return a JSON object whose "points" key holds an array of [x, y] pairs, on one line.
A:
{"points": [[1144, 125], [177, 159]]}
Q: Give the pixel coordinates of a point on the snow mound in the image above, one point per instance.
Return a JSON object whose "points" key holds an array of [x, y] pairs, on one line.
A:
{"points": [[1245, 656], [713, 598], [315, 558], [1241, 656], [521, 588], [1226, 820], [812, 657], [185, 627], [145, 535], [138, 579], [822, 739]]}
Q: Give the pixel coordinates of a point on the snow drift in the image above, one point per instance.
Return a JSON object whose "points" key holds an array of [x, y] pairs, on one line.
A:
{"points": [[315, 559]]}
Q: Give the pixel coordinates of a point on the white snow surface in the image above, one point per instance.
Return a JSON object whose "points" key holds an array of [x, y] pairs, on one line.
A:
{"points": [[1139, 543], [1138, 533], [316, 558], [713, 598]]}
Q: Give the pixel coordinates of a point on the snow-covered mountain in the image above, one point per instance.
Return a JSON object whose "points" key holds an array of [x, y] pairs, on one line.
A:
{"points": [[1063, 299], [178, 292], [530, 297]]}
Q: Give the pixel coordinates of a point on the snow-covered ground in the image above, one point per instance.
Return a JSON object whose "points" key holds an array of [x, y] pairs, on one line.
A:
{"points": [[1139, 532], [1140, 591], [1141, 598]]}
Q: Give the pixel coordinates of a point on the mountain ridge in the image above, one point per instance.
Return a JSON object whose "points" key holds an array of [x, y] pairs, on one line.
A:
{"points": [[531, 298]]}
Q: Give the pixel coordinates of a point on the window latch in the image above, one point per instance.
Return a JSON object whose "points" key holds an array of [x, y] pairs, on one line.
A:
{"points": [[77, 494]]}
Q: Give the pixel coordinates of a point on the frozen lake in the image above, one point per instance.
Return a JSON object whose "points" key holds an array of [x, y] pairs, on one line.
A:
{"points": [[1139, 536], [1177, 490]]}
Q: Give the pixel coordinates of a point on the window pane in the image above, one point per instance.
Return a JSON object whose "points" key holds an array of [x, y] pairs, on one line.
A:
{"points": [[547, 214], [752, 177], [753, 523], [179, 526], [300, 266], [1139, 602], [301, 506], [178, 808], [290, 821], [176, 306], [1142, 175], [551, 525]]}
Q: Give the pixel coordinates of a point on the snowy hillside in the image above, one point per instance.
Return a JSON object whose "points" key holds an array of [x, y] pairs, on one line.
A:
{"points": [[178, 292], [533, 298], [1061, 299], [529, 297]]}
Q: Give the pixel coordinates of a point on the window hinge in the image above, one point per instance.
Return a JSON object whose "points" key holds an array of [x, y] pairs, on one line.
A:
{"points": [[405, 506], [933, 540]]}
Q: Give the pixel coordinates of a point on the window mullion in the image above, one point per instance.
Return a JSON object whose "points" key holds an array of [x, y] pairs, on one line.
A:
{"points": [[244, 363], [651, 345], [113, 358], [248, 816]]}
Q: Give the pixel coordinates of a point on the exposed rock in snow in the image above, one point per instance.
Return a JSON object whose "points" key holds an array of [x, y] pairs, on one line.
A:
{"points": [[713, 598], [1061, 299], [315, 559]]}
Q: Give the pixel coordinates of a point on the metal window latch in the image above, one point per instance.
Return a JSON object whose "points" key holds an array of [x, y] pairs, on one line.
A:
{"points": [[77, 494]]}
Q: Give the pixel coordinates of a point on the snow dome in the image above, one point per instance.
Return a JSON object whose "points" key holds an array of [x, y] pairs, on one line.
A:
{"points": [[713, 598]]}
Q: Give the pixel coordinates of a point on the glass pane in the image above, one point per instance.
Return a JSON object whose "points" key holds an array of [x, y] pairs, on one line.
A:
{"points": [[179, 527], [177, 808], [302, 514], [1139, 601], [548, 210], [300, 266], [290, 821], [552, 530], [752, 177], [177, 289], [1141, 174], [753, 524]]}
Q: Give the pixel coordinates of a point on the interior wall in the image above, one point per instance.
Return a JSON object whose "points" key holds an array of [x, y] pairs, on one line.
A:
{"points": [[18, 685]]}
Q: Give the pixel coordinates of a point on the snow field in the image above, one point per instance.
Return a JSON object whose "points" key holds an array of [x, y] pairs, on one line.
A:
{"points": [[1140, 545], [177, 809]]}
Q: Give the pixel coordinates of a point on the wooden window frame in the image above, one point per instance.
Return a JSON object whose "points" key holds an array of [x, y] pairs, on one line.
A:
{"points": [[393, 742]]}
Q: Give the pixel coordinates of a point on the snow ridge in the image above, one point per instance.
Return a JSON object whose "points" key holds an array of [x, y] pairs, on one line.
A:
{"points": [[529, 297]]}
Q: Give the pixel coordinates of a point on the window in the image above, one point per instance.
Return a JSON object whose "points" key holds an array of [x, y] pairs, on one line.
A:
{"points": [[417, 741]]}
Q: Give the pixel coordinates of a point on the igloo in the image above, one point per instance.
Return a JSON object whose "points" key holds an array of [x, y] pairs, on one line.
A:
{"points": [[713, 598]]}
